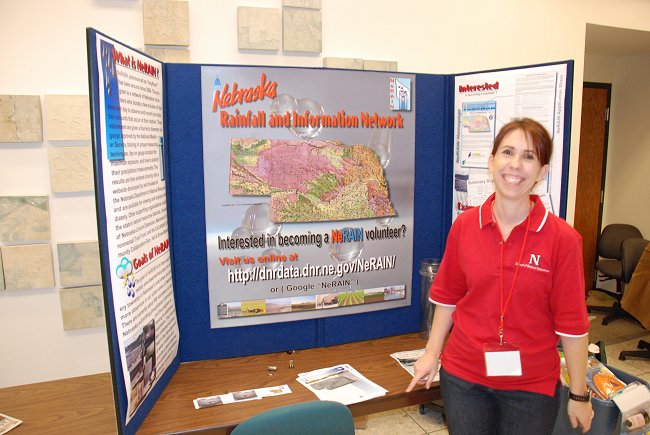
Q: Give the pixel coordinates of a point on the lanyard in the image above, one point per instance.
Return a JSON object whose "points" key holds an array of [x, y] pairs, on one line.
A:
{"points": [[503, 307]]}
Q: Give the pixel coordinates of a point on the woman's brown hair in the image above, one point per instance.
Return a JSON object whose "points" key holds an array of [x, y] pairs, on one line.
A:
{"points": [[537, 136]]}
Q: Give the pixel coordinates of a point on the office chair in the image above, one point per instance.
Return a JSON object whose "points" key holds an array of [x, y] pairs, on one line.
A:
{"points": [[610, 266], [632, 252], [312, 418]]}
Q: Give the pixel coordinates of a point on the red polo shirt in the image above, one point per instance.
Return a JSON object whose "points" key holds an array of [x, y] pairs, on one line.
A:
{"points": [[548, 298]]}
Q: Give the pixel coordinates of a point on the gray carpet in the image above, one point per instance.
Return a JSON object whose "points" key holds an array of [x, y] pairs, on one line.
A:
{"points": [[617, 331]]}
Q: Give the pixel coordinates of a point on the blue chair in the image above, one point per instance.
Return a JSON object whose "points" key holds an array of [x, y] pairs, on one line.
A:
{"points": [[312, 418]]}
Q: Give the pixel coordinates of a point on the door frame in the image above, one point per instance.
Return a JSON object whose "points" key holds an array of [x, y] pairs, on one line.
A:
{"points": [[608, 87]]}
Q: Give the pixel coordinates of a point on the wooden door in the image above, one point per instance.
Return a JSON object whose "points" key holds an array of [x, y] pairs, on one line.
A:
{"points": [[594, 128]]}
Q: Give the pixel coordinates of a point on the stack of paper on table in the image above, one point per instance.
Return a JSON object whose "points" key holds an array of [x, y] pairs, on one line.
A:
{"points": [[7, 423], [340, 383], [408, 358], [240, 396]]}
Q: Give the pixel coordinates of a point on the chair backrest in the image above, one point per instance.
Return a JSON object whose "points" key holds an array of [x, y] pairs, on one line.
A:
{"points": [[306, 418], [611, 238], [632, 249]]}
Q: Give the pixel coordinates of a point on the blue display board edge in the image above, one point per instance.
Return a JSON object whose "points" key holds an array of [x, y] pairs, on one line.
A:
{"points": [[109, 313], [117, 376], [447, 157], [568, 105]]}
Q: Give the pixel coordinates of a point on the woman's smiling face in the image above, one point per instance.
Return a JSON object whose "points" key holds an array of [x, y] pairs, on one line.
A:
{"points": [[515, 167]]}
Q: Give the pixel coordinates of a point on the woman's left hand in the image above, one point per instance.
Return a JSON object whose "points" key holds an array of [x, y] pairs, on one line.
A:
{"points": [[580, 414]]}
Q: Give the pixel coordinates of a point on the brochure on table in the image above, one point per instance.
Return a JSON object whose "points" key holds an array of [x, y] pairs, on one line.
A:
{"points": [[246, 210]]}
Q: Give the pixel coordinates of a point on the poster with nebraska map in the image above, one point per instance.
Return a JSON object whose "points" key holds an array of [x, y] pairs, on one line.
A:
{"points": [[310, 180], [309, 177]]}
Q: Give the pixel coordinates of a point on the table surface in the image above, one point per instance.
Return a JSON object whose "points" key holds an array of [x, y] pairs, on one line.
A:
{"points": [[174, 411], [85, 404], [82, 405]]}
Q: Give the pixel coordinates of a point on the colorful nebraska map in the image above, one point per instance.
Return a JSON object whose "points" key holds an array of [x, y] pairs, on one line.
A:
{"points": [[310, 180]]}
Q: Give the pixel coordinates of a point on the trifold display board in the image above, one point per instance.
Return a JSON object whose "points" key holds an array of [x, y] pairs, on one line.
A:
{"points": [[246, 210]]}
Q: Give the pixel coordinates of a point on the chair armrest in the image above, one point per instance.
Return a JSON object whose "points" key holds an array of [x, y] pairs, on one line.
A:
{"points": [[631, 252]]}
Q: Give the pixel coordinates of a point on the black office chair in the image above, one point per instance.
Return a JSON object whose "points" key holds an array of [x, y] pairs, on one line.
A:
{"points": [[610, 266], [632, 251]]}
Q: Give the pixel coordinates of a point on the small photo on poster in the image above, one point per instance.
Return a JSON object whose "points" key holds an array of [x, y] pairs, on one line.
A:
{"points": [[141, 364], [477, 121], [400, 93]]}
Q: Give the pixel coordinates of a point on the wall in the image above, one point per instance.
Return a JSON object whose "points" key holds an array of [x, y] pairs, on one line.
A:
{"points": [[599, 69], [43, 52], [627, 198]]}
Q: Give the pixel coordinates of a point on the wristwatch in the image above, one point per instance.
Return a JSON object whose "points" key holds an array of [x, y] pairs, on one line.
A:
{"points": [[578, 398]]}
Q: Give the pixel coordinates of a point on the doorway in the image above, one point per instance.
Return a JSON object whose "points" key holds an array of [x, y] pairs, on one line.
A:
{"points": [[592, 162]]}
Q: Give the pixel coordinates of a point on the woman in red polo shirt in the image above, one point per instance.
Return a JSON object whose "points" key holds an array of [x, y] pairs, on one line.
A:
{"points": [[510, 282]]}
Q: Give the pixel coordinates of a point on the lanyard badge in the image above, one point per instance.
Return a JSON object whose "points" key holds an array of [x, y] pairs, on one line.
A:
{"points": [[502, 358]]}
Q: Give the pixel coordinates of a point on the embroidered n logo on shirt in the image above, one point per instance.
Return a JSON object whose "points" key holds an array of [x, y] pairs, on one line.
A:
{"points": [[534, 262]]}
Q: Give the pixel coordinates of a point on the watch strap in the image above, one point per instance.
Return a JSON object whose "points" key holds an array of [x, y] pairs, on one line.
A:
{"points": [[578, 398]]}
